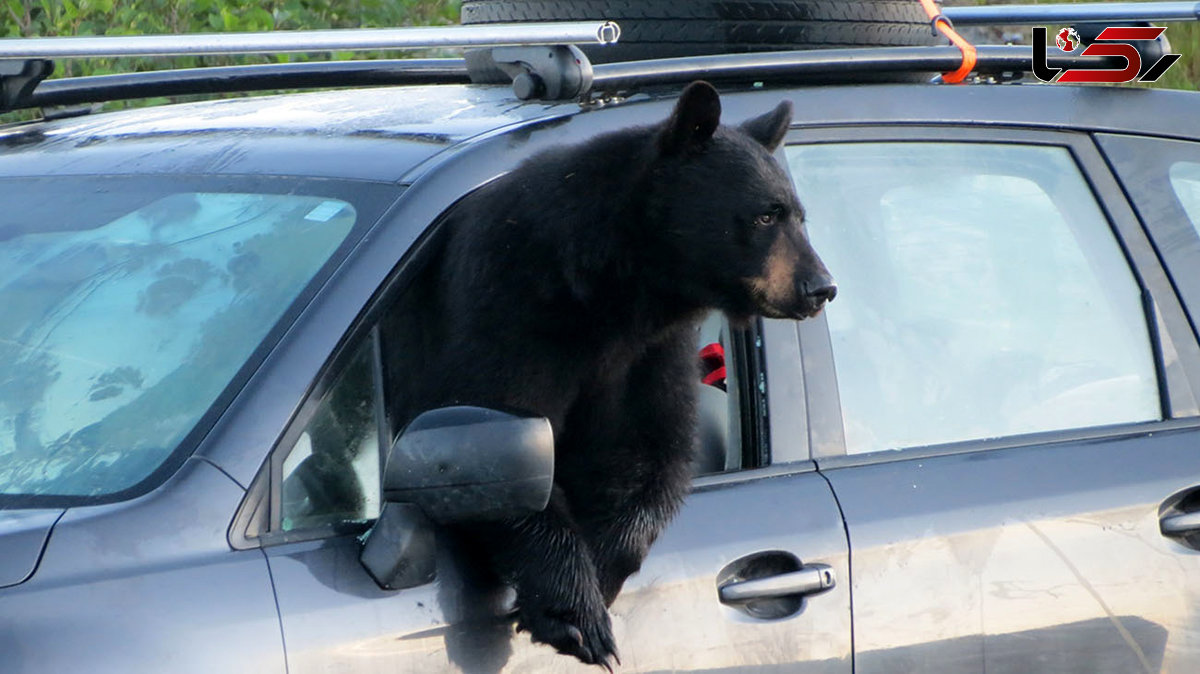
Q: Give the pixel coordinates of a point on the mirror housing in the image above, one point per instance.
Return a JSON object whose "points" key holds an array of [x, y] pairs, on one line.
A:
{"points": [[452, 465], [472, 463]]}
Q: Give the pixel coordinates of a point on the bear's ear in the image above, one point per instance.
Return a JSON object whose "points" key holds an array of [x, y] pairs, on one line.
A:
{"points": [[694, 119], [770, 128]]}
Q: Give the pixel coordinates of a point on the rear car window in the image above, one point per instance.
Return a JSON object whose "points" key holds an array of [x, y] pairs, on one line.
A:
{"points": [[130, 305], [982, 293]]}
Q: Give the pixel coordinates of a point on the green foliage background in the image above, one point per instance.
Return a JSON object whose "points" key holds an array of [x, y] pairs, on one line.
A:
{"points": [[44, 18]]}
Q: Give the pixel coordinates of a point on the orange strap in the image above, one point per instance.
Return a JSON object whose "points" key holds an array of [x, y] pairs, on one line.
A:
{"points": [[942, 24]]}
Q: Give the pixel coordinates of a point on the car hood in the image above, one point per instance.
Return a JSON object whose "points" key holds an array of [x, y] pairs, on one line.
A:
{"points": [[23, 536]]}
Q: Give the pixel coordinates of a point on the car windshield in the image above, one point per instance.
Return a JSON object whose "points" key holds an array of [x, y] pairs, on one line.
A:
{"points": [[129, 307]]}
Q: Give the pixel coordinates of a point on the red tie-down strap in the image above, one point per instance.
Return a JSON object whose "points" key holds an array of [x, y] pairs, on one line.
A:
{"points": [[942, 24], [712, 365]]}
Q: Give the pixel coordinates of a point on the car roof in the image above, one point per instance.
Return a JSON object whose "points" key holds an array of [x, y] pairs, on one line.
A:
{"points": [[1157, 112], [387, 133], [377, 134]]}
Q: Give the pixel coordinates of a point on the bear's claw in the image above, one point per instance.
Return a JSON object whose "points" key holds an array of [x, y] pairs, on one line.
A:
{"points": [[591, 641]]}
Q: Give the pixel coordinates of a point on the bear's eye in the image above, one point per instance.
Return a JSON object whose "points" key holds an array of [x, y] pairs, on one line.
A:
{"points": [[769, 218]]}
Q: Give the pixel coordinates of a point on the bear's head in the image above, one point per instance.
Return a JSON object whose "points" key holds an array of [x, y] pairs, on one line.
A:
{"points": [[730, 227]]}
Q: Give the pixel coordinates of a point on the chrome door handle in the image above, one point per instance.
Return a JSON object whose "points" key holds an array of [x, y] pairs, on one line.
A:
{"points": [[1180, 525], [811, 579]]}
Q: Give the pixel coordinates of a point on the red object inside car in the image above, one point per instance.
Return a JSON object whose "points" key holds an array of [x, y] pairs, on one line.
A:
{"points": [[712, 365]]}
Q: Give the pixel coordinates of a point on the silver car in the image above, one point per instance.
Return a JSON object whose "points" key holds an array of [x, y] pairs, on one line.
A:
{"points": [[981, 457]]}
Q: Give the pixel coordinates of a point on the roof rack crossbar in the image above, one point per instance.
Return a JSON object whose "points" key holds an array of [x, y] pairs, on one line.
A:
{"points": [[277, 42], [1092, 12], [812, 66], [188, 81], [824, 65]]}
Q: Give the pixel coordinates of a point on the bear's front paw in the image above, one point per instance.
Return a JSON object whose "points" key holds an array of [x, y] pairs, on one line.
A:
{"points": [[584, 632]]}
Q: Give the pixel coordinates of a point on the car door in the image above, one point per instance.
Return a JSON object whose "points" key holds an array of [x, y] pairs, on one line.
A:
{"points": [[1005, 390], [695, 604]]}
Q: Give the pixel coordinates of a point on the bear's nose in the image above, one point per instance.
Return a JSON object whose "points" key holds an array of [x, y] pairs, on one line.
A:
{"points": [[821, 292]]}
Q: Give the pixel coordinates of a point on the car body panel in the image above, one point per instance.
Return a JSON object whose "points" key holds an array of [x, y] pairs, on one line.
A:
{"points": [[1039, 558], [668, 617], [784, 384], [23, 536], [1057, 107], [329, 134], [146, 585], [335, 134]]}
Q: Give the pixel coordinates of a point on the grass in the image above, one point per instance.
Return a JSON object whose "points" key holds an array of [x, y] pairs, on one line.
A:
{"points": [[1185, 39]]}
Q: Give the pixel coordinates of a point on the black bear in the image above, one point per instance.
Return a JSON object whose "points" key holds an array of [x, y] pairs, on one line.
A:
{"points": [[571, 288]]}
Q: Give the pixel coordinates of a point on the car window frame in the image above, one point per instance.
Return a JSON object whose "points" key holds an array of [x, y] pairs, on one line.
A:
{"points": [[346, 352], [746, 359], [1175, 352], [1142, 164], [258, 521]]}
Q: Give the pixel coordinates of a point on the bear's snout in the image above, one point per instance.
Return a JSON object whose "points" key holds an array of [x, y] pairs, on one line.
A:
{"points": [[820, 291], [794, 282], [813, 293]]}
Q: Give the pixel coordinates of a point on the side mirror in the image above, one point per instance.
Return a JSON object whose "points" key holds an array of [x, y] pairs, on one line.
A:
{"points": [[455, 464], [470, 463]]}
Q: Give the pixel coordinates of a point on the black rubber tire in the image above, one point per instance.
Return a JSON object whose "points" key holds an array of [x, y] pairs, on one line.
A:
{"points": [[667, 28]]}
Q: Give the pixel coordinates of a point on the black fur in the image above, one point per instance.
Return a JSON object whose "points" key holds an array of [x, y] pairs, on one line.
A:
{"points": [[571, 288]]}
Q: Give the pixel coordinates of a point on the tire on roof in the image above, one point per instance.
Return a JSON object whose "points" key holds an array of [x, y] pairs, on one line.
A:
{"points": [[669, 28]]}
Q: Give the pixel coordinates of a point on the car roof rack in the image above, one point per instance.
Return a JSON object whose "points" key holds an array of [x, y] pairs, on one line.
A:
{"points": [[226, 79], [996, 62], [562, 72], [25, 62], [296, 41], [1000, 62]]}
